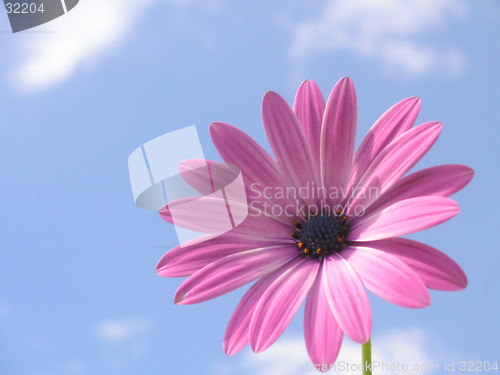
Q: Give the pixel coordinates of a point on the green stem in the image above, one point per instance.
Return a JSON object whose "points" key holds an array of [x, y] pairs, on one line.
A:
{"points": [[366, 354]]}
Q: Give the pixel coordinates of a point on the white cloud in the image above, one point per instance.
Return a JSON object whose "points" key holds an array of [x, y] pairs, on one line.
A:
{"points": [[81, 36], [53, 52], [119, 330], [391, 31], [289, 356]]}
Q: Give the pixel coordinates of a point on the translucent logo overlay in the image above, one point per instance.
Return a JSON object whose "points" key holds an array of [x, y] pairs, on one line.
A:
{"points": [[206, 199], [27, 14]]}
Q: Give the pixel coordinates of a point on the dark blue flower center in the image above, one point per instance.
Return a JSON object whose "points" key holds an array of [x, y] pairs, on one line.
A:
{"points": [[321, 235]]}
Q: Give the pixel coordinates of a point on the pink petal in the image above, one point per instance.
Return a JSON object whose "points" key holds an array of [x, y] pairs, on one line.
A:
{"points": [[288, 143], [397, 120], [443, 180], [231, 272], [280, 302], [338, 134], [236, 147], [388, 277], [436, 269], [238, 330], [207, 176], [408, 216], [347, 298], [261, 228], [322, 334], [185, 260], [393, 162], [253, 233], [259, 169], [309, 107], [210, 215]]}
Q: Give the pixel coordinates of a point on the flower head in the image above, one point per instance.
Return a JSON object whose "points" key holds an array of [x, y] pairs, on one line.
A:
{"points": [[323, 222]]}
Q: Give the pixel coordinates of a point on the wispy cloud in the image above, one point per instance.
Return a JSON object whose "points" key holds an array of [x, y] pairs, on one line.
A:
{"points": [[120, 330], [80, 37], [289, 356], [399, 34]]}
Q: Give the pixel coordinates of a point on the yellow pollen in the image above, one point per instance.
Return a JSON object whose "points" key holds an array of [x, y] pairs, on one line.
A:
{"points": [[306, 251], [339, 212], [318, 251], [340, 240], [344, 219], [301, 245]]}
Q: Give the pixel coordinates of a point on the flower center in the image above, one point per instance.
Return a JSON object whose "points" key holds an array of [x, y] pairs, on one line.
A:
{"points": [[321, 235]]}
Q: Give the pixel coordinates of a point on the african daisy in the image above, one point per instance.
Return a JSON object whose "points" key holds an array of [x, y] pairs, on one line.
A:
{"points": [[323, 222]]}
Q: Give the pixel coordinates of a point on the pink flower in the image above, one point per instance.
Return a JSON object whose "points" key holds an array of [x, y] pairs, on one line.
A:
{"points": [[324, 222]]}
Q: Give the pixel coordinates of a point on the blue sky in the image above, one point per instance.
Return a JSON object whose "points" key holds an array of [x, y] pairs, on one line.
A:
{"points": [[78, 292]]}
